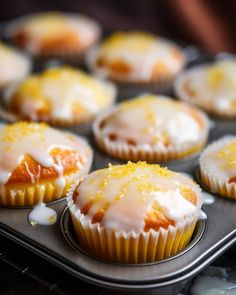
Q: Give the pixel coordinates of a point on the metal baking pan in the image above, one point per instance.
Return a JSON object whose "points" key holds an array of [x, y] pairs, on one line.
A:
{"points": [[218, 234], [58, 244]]}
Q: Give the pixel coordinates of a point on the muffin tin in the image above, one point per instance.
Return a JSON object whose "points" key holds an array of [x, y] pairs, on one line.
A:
{"points": [[58, 244]]}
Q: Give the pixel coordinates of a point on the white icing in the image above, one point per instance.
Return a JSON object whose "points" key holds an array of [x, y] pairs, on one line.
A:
{"points": [[182, 129], [42, 215], [142, 62], [37, 143], [153, 120], [13, 65], [130, 196], [175, 206], [215, 93], [202, 215], [221, 166], [222, 104], [208, 199], [206, 285], [61, 89]]}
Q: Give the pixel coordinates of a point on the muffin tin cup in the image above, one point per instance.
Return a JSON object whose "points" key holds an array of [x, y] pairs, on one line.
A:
{"points": [[126, 151], [166, 276], [69, 233], [132, 247]]}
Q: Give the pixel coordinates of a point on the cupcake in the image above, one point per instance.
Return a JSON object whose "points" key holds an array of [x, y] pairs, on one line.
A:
{"points": [[61, 96], [14, 65], [136, 59], [218, 167], [54, 34], [134, 213], [152, 128], [211, 87], [39, 163]]}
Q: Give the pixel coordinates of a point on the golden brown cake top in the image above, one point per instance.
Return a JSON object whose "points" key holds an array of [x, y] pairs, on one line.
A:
{"points": [[136, 196], [31, 152]]}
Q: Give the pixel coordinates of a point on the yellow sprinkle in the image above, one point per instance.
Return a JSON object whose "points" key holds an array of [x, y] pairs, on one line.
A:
{"points": [[33, 87], [215, 75], [99, 195], [228, 153], [138, 102], [52, 219], [33, 223], [140, 42], [13, 132], [147, 187]]}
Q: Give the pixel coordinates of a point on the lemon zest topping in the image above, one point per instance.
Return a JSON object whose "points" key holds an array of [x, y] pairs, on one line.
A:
{"points": [[215, 76], [14, 132], [134, 41], [33, 87], [228, 153]]}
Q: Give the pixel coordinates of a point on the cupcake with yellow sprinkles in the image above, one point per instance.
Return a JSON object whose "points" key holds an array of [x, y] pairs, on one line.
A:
{"points": [[134, 213], [62, 96], [151, 128], [218, 167], [211, 87], [136, 60], [38, 163]]}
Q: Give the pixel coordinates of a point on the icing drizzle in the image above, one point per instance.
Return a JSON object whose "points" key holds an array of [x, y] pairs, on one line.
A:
{"points": [[35, 140], [126, 193], [159, 122]]}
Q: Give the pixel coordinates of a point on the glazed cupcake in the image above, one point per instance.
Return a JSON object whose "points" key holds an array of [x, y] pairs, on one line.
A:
{"points": [[39, 163], [54, 34], [134, 213], [152, 128], [61, 96], [211, 87], [136, 59], [14, 65], [218, 167]]}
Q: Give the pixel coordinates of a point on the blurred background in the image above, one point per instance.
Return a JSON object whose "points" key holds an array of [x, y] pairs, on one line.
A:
{"points": [[208, 24]]}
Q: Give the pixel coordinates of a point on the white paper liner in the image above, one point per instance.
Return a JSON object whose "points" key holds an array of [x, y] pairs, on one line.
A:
{"points": [[129, 247], [212, 182], [124, 151]]}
